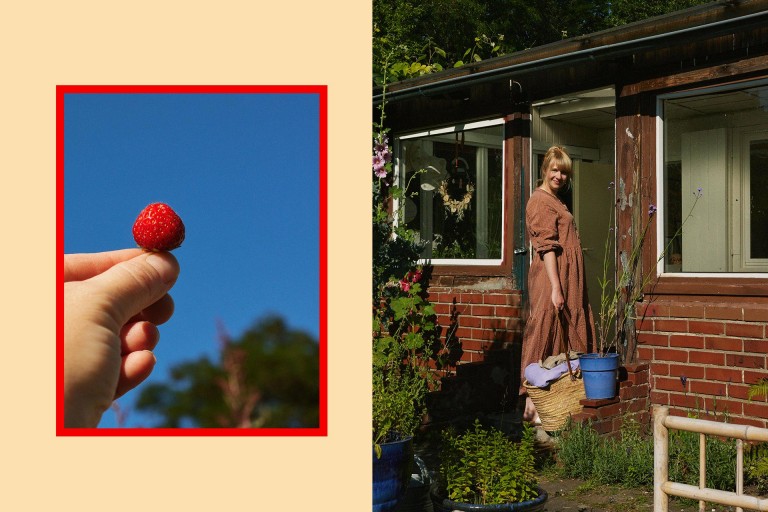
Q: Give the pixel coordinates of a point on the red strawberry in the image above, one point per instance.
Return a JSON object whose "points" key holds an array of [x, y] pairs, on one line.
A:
{"points": [[158, 228]]}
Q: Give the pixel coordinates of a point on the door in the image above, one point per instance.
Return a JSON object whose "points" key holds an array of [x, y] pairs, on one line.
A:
{"points": [[593, 200]]}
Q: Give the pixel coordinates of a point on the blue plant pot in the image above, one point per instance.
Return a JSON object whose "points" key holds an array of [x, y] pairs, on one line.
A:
{"points": [[440, 504], [601, 375], [391, 474]]}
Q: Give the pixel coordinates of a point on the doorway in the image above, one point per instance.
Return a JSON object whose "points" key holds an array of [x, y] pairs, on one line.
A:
{"points": [[584, 123]]}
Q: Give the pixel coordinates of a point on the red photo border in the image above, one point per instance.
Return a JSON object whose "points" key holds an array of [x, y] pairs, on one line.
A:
{"points": [[322, 92]]}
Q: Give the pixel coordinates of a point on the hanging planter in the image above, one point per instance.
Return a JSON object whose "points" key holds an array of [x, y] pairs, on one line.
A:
{"points": [[600, 374], [391, 474]]}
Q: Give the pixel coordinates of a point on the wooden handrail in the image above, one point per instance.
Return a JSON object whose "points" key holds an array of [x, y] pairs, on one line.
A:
{"points": [[663, 488]]}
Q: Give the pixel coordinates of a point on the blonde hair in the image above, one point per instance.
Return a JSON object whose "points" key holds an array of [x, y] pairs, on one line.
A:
{"points": [[560, 156]]}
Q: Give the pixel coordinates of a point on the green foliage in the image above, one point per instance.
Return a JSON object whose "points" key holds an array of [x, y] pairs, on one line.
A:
{"points": [[406, 335], [424, 36], [267, 378], [759, 389], [756, 466], [629, 11], [484, 466], [628, 461]]}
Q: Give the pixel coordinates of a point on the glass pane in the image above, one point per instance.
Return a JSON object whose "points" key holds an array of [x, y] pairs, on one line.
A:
{"points": [[758, 199], [706, 226], [453, 186]]}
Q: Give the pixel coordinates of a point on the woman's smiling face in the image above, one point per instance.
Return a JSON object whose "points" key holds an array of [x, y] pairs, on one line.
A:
{"points": [[556, 177]]}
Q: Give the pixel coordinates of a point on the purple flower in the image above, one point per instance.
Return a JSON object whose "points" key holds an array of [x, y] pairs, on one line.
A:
{"points": [[378, 166], [651, 210]]}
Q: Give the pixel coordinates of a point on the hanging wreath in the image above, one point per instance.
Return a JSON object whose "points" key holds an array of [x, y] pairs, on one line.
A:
{"points": [[456, 206]]}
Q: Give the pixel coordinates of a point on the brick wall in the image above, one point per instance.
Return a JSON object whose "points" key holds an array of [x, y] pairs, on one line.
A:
{"points": [[488, 312], [704, 356]]}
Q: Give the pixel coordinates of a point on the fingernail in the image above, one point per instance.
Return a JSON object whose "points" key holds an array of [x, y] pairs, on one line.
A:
{"points": [[165, 266]]}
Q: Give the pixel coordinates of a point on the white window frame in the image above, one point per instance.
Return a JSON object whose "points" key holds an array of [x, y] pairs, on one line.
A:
{"points": [[460, 127], [735, 219]]}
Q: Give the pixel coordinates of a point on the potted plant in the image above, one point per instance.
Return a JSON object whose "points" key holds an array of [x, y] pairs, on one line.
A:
{"points": [[404, 333], [484, 470], [616, 319]]}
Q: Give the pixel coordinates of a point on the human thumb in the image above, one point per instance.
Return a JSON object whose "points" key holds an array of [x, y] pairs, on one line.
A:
{"points": [[130, 286]]}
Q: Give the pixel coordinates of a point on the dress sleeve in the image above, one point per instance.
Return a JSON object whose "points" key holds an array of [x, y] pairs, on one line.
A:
{"points": [[541, 221]]}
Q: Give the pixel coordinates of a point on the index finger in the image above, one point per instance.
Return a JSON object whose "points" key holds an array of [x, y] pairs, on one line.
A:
{"points": [[79, 267]]}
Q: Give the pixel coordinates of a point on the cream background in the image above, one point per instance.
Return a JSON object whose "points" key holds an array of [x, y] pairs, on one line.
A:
{"points": [[302, 42]]}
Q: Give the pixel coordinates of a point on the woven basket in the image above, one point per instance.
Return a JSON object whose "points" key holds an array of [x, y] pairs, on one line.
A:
{"points": [[559, 400]]}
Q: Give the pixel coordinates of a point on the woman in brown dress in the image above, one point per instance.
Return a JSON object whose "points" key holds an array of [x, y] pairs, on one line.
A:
{"points": [[556, 277]]}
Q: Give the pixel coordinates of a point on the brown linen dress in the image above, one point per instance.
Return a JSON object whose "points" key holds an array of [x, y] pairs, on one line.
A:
{"points": [[551, 227]]}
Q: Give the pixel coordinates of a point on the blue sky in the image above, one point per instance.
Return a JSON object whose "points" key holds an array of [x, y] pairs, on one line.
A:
{"points": [[241, 170]]}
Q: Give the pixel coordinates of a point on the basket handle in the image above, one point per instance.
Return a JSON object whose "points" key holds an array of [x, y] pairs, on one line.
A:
{"points": [[563, 339]]}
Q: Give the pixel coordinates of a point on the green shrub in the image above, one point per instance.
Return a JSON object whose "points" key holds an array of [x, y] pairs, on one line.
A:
{"points": [[484, 466], [628, 461]]}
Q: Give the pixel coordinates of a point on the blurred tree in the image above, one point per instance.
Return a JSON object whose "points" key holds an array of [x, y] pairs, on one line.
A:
{"points": [[269, 378]]}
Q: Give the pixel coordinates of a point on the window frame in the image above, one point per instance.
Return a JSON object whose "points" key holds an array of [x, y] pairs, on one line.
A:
{"points": [[740, 278], [468, 264]]}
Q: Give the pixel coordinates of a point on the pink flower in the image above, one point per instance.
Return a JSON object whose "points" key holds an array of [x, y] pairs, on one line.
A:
{"points": [[414, 276], [405, 285], [378, 166]]}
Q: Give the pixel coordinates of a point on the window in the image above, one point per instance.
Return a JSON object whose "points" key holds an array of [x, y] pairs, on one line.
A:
{"points": [[715, 155], [454, 191]]}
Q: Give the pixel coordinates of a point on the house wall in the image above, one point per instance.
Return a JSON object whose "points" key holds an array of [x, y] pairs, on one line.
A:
{"points": [[704, 353]]}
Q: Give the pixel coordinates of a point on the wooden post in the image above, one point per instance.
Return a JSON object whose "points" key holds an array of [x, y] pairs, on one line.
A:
{"points": [[702, 467], [660, 458]]}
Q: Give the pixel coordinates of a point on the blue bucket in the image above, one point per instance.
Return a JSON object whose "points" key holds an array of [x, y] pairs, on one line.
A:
{"points": [[601, 375]]}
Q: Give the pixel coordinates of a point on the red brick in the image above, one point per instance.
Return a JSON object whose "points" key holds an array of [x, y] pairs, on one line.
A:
{"points": [[669, 384], [647, 309], [724, 374], [652, 338], [670, 325], [756, 314], [469, 345], [498, 298], [470, 321], [704, 327], [481, 310], [722, 406], [645, 353], [745, 361], [508, 311], [446, 298], [683, 400], [670, 354], [633, 392], [703, 387], [659, 397], [714, 358], [740, 391], [745, 330], [690, 371], [463, 332], [730, 344], [686, 341], [723, 312], [752, 376], [636, 406], [686, 311], [471, 298], [660, 369], [758, 346]]}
